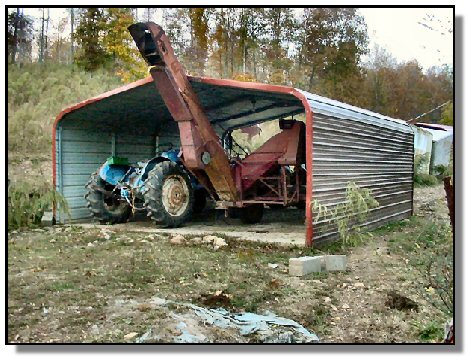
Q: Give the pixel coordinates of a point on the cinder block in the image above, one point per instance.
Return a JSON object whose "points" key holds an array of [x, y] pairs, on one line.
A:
{"points": [[305, 265], [47, 219], [335, 262]]}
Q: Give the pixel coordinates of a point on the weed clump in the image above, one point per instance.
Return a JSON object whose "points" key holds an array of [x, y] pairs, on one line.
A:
{"points": [[425, 180], [27, 204], [347, 216]]}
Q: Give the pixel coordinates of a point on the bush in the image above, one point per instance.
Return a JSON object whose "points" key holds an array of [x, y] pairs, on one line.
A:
{"points": [[442, 171], [348, 216], [27, 204], [421, 163], [425, 180]]}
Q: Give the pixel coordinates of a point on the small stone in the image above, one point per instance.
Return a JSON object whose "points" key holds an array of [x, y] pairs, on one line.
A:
{"points": [[209, 239], [273, 266], [177, 240], [327, 299], [130, 335], [95, 330], [359, 284], [345, 306], [218, 243]]}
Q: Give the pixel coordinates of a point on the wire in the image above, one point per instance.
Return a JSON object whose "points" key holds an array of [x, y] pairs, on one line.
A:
{"points": [[426, 113]]}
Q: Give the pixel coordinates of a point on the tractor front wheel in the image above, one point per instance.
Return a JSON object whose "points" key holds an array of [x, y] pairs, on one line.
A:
{"points": [[105, 208], [168, 195]]}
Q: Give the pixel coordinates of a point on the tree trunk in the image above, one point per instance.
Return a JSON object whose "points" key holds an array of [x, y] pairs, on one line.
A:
{"points": [[254, 64], [15, 37], [311, 81], [72, 20], [41, 39], [46, 47]]}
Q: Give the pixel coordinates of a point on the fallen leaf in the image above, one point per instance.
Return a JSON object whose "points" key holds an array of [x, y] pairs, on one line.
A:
{"points": [[275, 283]]}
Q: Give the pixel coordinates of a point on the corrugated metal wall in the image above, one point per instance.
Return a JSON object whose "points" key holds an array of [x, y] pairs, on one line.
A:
{"points": [[372, 156], [80, 152]]}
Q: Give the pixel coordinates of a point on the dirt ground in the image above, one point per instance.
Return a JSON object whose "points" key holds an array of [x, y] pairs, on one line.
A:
{"points": [[279, 226], [87, 283]]}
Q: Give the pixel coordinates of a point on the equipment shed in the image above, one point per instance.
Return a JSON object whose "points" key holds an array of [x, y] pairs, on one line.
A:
{"points": [[343, 143]]}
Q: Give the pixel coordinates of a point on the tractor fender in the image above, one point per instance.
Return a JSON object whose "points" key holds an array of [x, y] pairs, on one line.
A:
{"points": [[150, 165], [112, 174]]}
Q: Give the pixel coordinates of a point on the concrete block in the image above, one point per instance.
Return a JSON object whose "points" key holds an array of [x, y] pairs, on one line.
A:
{"points": [[305, 265], [47, 219], [335, 262]]}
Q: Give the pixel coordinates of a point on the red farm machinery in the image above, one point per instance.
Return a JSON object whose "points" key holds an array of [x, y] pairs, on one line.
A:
{"points": [[170, 189]]}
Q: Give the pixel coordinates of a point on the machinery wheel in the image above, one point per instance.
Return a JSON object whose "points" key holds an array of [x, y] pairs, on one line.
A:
{"points": [[106, 209], [168, 195], [252, 214], [200, 201]]}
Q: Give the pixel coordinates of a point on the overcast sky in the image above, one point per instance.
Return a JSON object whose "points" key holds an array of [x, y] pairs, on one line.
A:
{"points": [[421, 33]]}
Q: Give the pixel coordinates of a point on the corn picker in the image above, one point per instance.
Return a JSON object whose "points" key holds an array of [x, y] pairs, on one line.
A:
{"points": [[174, 184]]}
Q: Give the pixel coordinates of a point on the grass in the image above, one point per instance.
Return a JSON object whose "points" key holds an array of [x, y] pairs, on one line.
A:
{"points": [[89, 282], [61, 270], [36, 95]]}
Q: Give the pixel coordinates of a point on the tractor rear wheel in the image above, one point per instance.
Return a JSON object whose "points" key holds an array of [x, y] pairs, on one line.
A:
{"points": [[252, 214], [107, 209], [168, 195]]}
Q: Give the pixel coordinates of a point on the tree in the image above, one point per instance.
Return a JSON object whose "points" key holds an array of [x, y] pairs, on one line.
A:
{"points": [[197, 51], [119, 45], [251, 27], [20, 29], [334, 40], [149, 12], [89, 35], [72, 31], [448, 114], [177, 28]]}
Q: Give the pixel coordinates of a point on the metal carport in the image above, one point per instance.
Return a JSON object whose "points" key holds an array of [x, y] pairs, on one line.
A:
{"points": [[343, 143]]}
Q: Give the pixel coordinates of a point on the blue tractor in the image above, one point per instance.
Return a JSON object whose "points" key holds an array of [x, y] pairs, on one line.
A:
{"points": [[161, 186]]}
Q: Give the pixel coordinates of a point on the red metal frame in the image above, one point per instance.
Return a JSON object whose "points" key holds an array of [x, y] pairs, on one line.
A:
{"points": [[223, 83]]}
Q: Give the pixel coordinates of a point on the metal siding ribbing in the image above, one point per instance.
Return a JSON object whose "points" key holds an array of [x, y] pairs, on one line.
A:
{"points": [[371, 154], [81, 152]]}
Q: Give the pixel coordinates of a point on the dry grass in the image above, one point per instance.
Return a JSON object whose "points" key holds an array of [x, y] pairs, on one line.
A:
{"points": [[70, 284]]}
